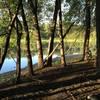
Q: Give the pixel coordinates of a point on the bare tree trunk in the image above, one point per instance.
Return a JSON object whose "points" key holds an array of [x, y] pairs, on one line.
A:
{"points": [[0, 54], [52, 31], [27, 41], [98, 33], [18, 63], [19, 34], [87, 32], [8, 35], [63, 60], [39, 43]]}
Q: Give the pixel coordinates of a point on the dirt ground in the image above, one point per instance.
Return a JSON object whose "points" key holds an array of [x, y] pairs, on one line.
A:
{"points": [[72, 82]]}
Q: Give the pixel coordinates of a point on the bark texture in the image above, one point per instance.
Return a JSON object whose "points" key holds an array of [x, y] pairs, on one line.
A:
{"points": [[86, 50], [29, 58]]}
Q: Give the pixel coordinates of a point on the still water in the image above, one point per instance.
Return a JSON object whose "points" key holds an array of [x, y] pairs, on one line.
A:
{"points": [[10, 64]]}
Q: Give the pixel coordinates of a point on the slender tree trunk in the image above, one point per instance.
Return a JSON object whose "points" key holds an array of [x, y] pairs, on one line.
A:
{"points": [[0, 54], [18, 63], [39, 43], [98, 33], [8, 35], [63, 60], [52, 31], [18, 56], [27, 41], [87, 32]]}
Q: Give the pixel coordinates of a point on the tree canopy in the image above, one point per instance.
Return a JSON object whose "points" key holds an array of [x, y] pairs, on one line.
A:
{"points": [[36, 21]]}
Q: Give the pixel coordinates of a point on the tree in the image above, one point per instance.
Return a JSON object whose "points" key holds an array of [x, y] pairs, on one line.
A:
{"points": [[98, 33], [87, 31], [18, 28], [75, 11], [0, 53], [27, 41], [63, 61], [52, 33], [19, 34], [8, 33], [59, 43], [37, 28]]}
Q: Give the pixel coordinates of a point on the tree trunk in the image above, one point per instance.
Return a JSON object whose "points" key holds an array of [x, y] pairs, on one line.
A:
{"points": [[0, 54], [27, 41], [39, 43], [98, 33], [8, 35], [67, 31], [18, 63], [52, 31], [87, 32], [63, 60]]}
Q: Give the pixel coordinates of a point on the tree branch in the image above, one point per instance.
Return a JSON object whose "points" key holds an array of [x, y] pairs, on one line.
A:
{"points": [[67, 31]]}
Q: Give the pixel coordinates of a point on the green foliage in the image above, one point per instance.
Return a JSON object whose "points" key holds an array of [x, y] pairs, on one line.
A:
{"points": [[72, 10]]}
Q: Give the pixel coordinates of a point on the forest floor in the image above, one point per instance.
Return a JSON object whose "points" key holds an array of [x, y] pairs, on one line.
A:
{"points": [[72, 82]]}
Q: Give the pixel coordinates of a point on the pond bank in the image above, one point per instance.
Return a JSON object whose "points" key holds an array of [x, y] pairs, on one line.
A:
{"points": [[10, 64]]}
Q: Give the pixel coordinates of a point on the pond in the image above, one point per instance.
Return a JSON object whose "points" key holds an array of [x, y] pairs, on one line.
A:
{"points": [[10, 64]]}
